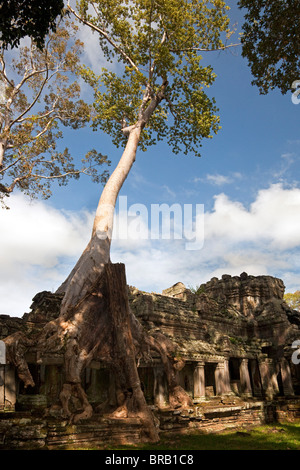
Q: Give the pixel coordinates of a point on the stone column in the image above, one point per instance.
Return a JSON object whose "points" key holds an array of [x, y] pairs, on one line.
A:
{"points": [[112, 392], [199, 382], [51, 382], [286, 377], [10, 388], [2, 370], [93, 390], [273, 378], [159, 387], [226, 378], [264, 367], [245, 378], [255, 375], [222, 379]]}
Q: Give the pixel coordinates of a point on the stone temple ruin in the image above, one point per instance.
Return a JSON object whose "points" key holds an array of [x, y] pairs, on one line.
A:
{"points": [[236, 335]]}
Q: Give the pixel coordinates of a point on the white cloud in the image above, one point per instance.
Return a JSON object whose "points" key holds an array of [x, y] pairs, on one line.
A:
{"points": [[40, 245], [93, 55], [288, 156], [37, 243], [39, 234], [287, 160], [261, 239], [272, 217], [218, 180], [169, 191]]}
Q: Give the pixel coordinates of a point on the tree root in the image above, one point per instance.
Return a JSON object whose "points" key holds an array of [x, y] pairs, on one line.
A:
{"points": [[102, 327], [178, 398], [17, 345], [144, 342], [75, 389]]}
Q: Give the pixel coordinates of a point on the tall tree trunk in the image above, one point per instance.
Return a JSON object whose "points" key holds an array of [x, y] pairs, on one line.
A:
{"points": [[95, 321], [97, 253], [2, 149], [101, 329], [94, 278], [124, 355]]}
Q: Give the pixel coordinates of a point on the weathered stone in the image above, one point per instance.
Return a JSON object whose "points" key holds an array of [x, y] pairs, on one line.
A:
{"points": [[232, 338], [245, 293], [32, 402]]}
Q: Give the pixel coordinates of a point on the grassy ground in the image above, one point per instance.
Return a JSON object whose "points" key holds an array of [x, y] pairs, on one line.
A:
{"points": [[270, 437]]}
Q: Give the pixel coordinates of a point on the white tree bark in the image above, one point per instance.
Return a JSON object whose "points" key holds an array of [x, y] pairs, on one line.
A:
{"points": [[2, 149], [97, 253]]}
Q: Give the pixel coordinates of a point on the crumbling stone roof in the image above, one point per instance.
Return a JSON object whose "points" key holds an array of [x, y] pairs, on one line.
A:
{"points": [[234, 316]]}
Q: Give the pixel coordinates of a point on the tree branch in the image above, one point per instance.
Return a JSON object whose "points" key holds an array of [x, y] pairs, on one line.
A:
{"points": [[3, 70], [57, 176], [63, 175], [40, 116], [37, 96], [3, 170], [155, 100], [10, 188], [105, 35], [200, 49]]}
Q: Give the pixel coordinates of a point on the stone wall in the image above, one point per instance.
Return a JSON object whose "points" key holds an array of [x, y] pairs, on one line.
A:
{"points": [[237, 316], [218, 418], [10, 325], [24, 430], [245, 293], [234, 335], [234, 329]]}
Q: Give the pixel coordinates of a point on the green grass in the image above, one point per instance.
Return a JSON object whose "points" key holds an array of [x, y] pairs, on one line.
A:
{"points": [[269, 437]]}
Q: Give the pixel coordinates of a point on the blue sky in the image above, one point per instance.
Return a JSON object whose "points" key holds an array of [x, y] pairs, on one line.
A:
{"points": [[247, 179]]}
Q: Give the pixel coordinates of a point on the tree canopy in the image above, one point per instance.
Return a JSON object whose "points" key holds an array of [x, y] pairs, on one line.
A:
{"points": [[271, 44], [293, 300], [34, 18], [159, 46], [39, 95], [154, 89]]}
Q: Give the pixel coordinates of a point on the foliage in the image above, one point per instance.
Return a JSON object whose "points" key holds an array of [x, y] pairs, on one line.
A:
{"points": [[37, 98], [235, 340], [293, 300], [197, 289], [159, 80], [276, 436], [271, 42], [34, 18]]}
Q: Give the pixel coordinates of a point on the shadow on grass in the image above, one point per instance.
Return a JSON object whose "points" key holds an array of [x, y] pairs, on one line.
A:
{"points": [[269, 437]]}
